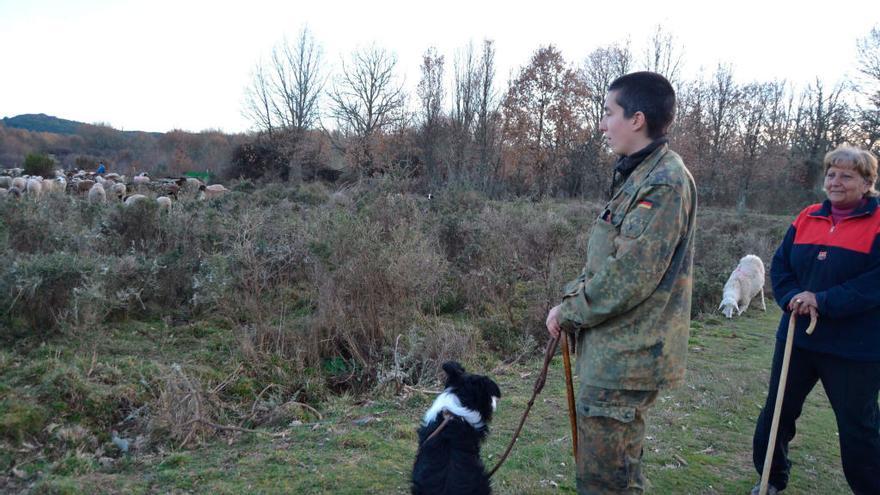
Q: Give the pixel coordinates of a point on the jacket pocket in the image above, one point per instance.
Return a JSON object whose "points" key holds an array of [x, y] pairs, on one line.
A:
{"points": [[573, 288], [624, 414], [637, 221]]}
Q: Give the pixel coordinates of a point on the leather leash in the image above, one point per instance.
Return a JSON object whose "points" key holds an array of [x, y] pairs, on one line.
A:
{"points": [[447, 417], [539, 385]]}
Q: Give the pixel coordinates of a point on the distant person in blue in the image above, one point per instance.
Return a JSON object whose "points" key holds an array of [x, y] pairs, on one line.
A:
{"points": [[101, 168], [829, 264]]}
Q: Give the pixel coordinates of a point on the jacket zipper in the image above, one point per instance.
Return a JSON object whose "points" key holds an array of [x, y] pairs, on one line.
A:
{"points": [[833, 226]]}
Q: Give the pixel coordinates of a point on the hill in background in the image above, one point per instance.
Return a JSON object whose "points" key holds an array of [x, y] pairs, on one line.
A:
{"points": [[77, 145], [41, 122]]}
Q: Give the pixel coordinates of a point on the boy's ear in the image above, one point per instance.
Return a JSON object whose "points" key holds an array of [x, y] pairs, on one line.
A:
{"points": [[639, 122]]}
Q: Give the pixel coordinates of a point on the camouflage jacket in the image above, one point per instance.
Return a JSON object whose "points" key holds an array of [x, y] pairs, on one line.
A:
{"points": [[631, 304]]}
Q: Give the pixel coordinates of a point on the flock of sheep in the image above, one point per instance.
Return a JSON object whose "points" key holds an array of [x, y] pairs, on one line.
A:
{"points": [[101, 188]]}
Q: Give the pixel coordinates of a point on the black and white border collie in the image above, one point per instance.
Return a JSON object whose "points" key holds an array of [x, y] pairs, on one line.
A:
{"points": [[449, 463]]}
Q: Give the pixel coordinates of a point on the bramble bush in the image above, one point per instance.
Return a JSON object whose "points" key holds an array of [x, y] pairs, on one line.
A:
{"points": [[350, 286]]}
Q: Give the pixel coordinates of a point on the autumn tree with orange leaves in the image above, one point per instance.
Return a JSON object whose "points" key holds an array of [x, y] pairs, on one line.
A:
{"points": [[544, 119]]}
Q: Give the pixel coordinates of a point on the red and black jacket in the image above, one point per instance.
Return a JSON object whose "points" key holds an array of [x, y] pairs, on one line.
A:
{"points": [[841, 265]]}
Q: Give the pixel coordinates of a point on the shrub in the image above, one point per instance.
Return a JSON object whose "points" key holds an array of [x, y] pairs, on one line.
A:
{"points": [[257, 159], [372, 280], [39, 226], [526, 252], [39, 164], [38, 289], [184, 410], [133, 226], [419, 353]]}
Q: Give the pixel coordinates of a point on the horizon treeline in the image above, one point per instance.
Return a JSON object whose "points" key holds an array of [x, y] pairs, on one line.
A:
{"points": [[756, 144], [538, 134]]}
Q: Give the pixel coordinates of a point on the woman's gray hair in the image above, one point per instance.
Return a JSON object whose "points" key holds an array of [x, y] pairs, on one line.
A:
{"points": [[862, 161]]}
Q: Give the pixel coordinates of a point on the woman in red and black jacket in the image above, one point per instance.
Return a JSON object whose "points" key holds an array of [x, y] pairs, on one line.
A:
{"points": [[829, 264]]}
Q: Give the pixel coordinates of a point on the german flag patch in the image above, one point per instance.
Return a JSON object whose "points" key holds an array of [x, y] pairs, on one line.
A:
{"points": [[645, 204]]}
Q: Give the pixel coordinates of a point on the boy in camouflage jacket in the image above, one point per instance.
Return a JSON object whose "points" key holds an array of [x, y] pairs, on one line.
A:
{"points": [[630, 306]]}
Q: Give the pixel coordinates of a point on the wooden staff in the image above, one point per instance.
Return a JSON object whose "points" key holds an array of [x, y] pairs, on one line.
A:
{"points": [[569, 391], [780, 390]]}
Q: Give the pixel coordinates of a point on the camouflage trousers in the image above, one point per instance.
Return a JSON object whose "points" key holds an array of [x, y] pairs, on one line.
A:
{"points": [[611, 429]]}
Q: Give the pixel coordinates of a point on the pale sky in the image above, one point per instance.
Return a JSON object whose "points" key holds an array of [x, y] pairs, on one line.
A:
{"points": [[176, 64]]}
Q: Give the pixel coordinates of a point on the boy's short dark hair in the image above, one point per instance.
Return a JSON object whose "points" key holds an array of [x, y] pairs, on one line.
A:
{"points": [[649, 93]]}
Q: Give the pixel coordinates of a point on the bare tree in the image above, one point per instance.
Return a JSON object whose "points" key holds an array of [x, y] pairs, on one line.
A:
{"points": [[298, 82], [487, 128], [366, 100], [819, 126], [465, 91], [465, 88], [285, 94], [779, 117], [430, 89], [722, 96], [601, 67], [869, 60], [753, 134], [589, 161], [869, 56], [258, 101], [663, 55], [431, 95]]}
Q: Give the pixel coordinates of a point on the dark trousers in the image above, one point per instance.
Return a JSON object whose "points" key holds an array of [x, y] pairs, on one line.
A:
{"points": [[852, 389]]}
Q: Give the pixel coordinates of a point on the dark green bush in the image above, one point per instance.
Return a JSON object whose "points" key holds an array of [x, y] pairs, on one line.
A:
{"points": [[39, 164]]}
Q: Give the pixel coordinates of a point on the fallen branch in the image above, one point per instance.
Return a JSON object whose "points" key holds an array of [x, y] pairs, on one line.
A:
{"points": [[423, 391]]}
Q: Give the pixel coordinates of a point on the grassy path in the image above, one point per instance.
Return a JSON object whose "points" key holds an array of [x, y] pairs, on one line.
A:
{"points": [[698, 440]]}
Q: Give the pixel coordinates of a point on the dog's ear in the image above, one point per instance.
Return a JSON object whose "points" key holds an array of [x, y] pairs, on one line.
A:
{"points": [[492, 388], [454, 372]]}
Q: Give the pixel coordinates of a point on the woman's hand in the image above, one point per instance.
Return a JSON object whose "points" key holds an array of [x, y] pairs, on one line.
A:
{"points": [[804, 303]]}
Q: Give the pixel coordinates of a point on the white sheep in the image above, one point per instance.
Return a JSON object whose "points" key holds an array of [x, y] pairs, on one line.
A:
{"points": [[53, 185], [212, 191], [60, 184], [34, 187], [164, 203], [134, 199], [193, 184], [746, 281], [19, 182], [5, 181], [141, 180], [117, 191], [97, 194]]}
